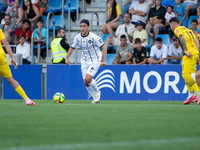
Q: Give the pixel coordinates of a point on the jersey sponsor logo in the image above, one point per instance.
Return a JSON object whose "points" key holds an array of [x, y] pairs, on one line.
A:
{"points": [[176, 31], [105, 79]]}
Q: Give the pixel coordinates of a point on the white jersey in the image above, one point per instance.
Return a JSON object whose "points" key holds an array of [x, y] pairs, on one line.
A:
{"points": [[89, 46]]}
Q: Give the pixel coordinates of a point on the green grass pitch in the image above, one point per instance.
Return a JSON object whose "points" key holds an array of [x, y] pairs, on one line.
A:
{"points": [[108, 125]]}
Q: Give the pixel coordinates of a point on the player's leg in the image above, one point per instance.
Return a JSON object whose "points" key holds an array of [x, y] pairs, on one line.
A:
{"points": [[188, 67], [92, 70], [84, 68], [19, 90], [6, 73]]}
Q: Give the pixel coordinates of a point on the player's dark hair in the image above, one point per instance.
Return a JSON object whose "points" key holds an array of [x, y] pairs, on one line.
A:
{"points": [[172, 7], [137, 40], [7, 15], [158, 39], [174, 19], [114, 11], [26, 21], [195, 21], [85, 21], [123, 36]]}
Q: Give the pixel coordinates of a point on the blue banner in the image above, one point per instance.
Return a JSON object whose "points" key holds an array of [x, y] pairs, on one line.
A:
{"points": [[120, 82], [30, 79]]}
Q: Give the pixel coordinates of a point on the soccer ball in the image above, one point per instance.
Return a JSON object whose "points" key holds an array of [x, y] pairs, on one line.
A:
{"points": [[59, 97]]}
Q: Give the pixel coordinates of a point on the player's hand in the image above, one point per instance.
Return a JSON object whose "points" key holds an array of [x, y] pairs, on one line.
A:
{"points": [[103, 63], [13, 62], [188, 54], [67, 61]]}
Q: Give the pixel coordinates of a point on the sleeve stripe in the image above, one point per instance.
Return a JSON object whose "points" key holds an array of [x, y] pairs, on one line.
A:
{"points": [[102, 45]]}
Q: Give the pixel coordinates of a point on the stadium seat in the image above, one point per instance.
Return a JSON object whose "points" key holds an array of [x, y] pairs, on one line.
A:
{"points": [[73, 6], [110, 58], [150, 42], [58, 22], [44, 18], [190, 20], [166, 3], [165, 39], [21, 3], [54, 6], [104, 36]]}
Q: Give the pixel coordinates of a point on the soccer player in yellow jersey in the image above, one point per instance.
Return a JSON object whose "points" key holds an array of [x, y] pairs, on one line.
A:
{"points": [[5, 70], [189, 44]]}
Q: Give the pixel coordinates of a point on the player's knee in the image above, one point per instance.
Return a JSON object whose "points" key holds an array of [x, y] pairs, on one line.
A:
{"points": [[87, 81]]}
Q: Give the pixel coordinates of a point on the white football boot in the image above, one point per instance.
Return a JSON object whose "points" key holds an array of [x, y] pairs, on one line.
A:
{"points": [[96, 97]]}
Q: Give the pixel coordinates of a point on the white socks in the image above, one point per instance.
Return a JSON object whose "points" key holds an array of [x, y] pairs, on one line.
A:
{"points": [[94, 86], [91, 91]]}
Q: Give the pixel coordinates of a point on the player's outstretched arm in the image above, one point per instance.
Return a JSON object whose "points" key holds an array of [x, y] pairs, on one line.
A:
{"points": [[70, 51], [104, 50], [8, 49]]}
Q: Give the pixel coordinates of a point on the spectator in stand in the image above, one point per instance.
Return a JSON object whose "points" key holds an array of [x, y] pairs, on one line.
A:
{"points": [[156, 19], [139, 11], [59, 47], [140, 53], [113, 15], [7, 36], [24, 48], [169, 14], [126, 29], [194, 23], [35, 2], [175, 53], [10, 5], [123, 52], [24, 30], [159, 51], [151, 3], [141, 34], [3, 5], [42, 6], [8, 27], [126, 6], [42, 37], [198, 25], [181, 13], [31, 12], [198, 10], [190, 4], [17, 14]]}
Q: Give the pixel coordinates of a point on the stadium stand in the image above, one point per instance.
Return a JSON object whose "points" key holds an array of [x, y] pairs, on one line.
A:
{"points": [[110, 58], [165, 39], [190, 20], [104, 36], [58, 22], [150, 42], [54, 6], [44, 18], [73, 6]]}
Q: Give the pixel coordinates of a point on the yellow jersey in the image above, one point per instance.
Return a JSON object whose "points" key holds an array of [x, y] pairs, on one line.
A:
{"points": [[189, 39], [1, 37], [198, 38], [118, 10]]}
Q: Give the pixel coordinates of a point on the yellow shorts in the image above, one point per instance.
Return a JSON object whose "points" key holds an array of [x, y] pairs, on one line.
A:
{"points": [[189, 65], [4, 68]]}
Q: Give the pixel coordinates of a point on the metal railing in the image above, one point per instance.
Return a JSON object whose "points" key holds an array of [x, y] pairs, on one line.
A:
{"points": [[38, 48], [63, 5], [68, 20], [48, 16], [97, 22]]}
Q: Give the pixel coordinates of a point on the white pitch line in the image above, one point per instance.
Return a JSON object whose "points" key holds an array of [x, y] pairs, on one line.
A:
{"points": [[104, 144]]}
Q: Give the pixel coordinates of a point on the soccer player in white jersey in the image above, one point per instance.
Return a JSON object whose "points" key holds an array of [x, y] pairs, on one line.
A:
{"points": [[91, 57]]}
